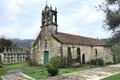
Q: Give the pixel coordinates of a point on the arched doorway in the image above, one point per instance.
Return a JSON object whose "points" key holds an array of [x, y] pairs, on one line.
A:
{"points": [[69, 57], [78, 55], [83, 58]]}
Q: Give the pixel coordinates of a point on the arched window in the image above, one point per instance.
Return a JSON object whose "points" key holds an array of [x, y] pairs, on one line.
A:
{"points": [[83, 58], [69, 56], [78, 55], [96, 52]]}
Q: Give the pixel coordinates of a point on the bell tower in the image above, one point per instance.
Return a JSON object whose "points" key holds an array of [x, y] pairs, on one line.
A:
{"points": [[49, 21], [49, 16]]}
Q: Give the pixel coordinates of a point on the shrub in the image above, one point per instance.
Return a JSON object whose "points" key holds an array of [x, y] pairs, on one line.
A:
{"points": [[63, 63], [99, 62], [108, 63], [93, 62], [52, 70], [55, 61], [52, 67], [1, 65]]}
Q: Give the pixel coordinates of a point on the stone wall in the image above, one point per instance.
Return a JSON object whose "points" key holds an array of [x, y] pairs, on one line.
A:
{"points": [[89, 51], [54, 49]]}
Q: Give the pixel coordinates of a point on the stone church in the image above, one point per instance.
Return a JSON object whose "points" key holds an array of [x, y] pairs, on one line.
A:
{"points": [[50, 43]]}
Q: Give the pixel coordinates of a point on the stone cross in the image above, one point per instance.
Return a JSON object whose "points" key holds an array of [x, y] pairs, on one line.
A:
{"points": [[73, 46], [46, 2]]}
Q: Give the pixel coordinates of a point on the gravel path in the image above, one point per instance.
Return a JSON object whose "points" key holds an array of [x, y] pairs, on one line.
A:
{"points": [[16, 75], [93, 74]]}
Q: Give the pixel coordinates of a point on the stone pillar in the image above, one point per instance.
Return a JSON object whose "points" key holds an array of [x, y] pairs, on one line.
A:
{"points": [[9, 60], [15, 54], [16, 57], [4, 55]]}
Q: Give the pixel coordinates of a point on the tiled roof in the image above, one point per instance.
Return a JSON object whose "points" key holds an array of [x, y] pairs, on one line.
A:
{"points": [[76, 39]]}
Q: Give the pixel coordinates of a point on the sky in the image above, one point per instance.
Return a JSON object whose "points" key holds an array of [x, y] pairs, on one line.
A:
{"points": [[22, 18]]}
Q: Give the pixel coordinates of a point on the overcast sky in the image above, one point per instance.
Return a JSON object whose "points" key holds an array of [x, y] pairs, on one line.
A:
{"points": [[22, 18]]}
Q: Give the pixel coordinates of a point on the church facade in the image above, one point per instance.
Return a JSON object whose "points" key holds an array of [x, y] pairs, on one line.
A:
{"points": [[50, 43]]}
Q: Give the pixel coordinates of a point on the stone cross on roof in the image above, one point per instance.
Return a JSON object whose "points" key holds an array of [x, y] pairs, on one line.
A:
{"points": [[46, 2]]}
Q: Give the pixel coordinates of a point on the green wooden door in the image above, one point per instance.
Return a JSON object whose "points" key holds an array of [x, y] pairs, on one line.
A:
{"points": [[46, 57]]}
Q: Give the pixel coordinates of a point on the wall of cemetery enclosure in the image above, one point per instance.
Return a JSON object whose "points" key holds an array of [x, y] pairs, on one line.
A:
{"points": [[13, 55]]}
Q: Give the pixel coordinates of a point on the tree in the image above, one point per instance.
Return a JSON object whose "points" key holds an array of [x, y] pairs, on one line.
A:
{"points": [[112, 11], [4, 43], [116, 52]]}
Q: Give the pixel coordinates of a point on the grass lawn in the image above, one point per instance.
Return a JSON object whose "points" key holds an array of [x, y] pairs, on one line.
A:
{"points": [[113, 77], [69, 70], [39, 74], [6, 68]]}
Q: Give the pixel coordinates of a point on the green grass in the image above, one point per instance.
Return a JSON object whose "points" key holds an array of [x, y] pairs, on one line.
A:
{"points": [[6, 68], [39, 74], [69, 70], [113, 77]]}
